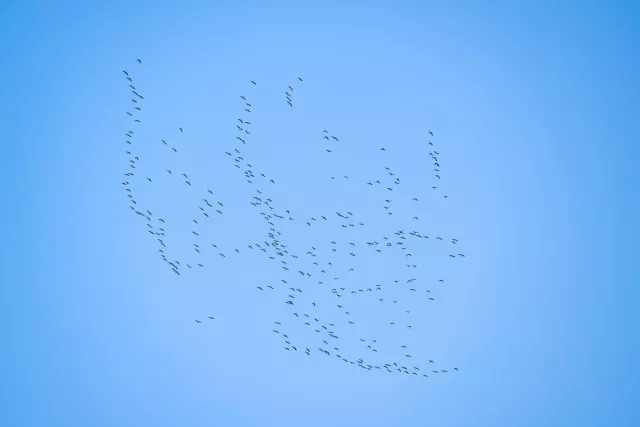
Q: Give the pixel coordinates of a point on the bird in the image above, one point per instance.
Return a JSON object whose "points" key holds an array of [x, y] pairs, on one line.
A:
{"points": [[318, 260]]}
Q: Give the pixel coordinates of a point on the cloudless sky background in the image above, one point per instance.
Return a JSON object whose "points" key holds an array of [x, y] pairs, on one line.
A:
{"points": [[534, 107]]}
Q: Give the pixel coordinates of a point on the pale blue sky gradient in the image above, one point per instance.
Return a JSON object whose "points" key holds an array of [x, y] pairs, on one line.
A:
{"points": [[535, 108]]}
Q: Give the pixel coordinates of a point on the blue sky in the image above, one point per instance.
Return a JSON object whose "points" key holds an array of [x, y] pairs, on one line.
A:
{"points": [[532, 105]]}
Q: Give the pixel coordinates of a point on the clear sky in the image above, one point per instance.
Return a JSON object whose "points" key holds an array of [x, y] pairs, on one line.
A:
{"points": [[534, 110]]}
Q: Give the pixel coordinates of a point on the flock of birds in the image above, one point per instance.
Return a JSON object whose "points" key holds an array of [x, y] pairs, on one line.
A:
{"points": [[318, 285]]}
